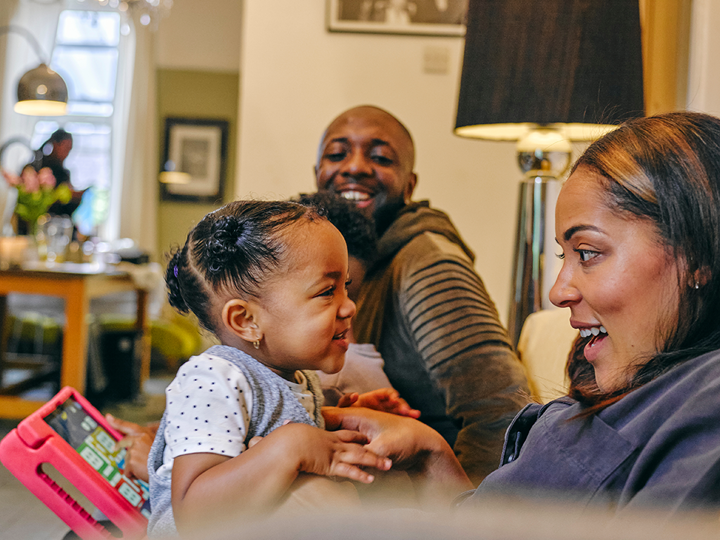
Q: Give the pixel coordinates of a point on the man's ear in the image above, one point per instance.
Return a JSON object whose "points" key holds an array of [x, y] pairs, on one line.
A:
{"points": [[238, 317], [410, 187]]}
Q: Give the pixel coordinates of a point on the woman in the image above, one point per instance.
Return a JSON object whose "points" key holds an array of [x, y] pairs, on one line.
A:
{"points": [[638, 222]]}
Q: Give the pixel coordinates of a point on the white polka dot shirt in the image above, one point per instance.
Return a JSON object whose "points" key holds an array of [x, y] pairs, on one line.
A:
{"points": [[209, 406]]}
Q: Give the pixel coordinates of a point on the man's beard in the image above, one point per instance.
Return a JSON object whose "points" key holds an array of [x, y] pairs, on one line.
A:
{"points": [[385, 214]]}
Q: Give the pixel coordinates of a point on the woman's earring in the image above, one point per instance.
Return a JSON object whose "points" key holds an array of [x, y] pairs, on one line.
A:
{"points": [[697, 285], [256, 343]]}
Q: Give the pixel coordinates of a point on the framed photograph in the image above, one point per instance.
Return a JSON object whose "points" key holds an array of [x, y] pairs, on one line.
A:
{"points": [[198, 148], [419, 17]]}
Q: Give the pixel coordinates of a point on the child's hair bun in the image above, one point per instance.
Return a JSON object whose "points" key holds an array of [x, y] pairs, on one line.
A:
{"points": [[223, 243]]}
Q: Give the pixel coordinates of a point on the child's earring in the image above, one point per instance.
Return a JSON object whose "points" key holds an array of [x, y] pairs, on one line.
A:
{"points": [[256, 343]]}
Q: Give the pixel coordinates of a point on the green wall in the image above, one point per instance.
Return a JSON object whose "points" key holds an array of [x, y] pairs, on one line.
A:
{"points": [[194, 94]]}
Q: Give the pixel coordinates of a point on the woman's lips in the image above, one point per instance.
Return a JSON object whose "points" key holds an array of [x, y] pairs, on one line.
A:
{"points": [[594, 347], [597, 334]]}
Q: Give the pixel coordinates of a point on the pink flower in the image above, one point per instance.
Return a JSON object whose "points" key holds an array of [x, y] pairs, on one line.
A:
{"points": [[11, 179], [30, 182], [46, 178]]}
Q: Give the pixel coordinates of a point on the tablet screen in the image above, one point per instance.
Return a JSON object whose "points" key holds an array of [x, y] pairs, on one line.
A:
{"points": [[96, 446]]}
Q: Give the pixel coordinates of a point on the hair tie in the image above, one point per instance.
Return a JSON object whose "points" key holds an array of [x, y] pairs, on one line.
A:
{"points": [[175, 271]]}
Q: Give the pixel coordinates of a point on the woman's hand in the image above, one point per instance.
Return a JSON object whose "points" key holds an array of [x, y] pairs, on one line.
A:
{"points": [[138, 441], [405, 441], [411, 445], [384, 399]]}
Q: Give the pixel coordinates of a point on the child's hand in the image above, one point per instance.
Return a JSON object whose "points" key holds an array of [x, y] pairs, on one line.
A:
{"points": [[385, 400], [332, 453], [138, 440]]}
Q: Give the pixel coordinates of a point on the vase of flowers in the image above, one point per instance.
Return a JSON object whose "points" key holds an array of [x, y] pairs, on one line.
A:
{"points": [[36, 193]]}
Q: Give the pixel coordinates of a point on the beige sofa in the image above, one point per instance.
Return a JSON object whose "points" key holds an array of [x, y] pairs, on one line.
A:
{"points": [[543, 347]]}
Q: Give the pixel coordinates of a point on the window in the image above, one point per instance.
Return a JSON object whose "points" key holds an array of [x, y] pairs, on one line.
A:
{"points": [[86, 54]]}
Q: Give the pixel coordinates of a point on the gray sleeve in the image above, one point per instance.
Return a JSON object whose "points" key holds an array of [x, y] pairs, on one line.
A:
{"points": [[468, 356]]}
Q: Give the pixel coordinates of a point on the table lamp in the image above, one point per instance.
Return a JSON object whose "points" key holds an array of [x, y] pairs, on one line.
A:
{"points": [[41, 91], [545, 73]]}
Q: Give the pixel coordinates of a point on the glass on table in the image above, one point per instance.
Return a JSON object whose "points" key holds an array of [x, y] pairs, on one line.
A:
{"points": [[53, 238]]}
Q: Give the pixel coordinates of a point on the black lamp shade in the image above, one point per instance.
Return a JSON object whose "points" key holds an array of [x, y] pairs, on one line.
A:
{"points": [[549, 62], [42, 92]]}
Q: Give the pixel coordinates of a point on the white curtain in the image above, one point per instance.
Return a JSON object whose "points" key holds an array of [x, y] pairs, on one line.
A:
{"points": [[136, 156], [19, 56], [7, 10]]}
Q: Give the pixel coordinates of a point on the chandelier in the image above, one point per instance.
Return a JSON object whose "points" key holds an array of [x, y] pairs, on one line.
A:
{"points": [[149, 11]]}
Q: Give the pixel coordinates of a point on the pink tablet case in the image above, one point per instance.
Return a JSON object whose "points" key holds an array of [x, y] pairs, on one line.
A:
{"points": [[34, 442]]}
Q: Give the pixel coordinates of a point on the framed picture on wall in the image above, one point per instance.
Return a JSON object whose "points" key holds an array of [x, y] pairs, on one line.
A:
{"points": [[419, 17], [198, 149]]}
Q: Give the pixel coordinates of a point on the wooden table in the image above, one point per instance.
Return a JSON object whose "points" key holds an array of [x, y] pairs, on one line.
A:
{"points": [[76, 284]]}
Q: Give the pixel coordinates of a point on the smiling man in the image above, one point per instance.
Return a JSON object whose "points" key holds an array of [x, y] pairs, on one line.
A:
{"points": [[422, 304], [367, 156]]}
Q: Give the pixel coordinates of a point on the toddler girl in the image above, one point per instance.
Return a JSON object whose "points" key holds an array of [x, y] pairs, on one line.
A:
{"points": [[269, 280]]}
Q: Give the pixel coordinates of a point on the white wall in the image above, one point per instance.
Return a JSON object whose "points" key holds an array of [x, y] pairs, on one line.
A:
{"points": [[296, 77], [200, 35]]}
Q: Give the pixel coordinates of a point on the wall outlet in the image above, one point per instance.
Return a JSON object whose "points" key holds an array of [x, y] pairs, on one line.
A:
{"points": [[436, 60]]}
